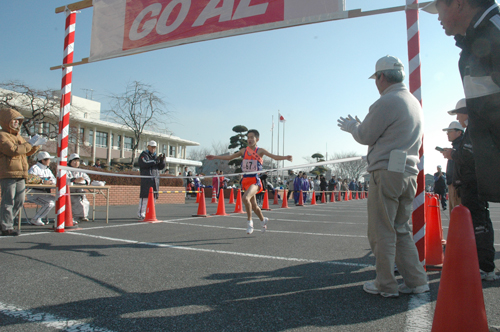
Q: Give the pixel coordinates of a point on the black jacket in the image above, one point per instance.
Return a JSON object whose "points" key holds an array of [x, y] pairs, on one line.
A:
{"points": [[150, 165], [465, 169], [451, 163]]}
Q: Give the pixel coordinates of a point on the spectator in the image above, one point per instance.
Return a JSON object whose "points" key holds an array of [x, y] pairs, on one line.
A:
{"points": [[352, 185], [332, 184], [317, 188], [393, 131], [42, 197], [150, 165], [215, 183], [97, 164], [465, 179], [79, 203], [290, 183], [297, 187], [475, 25], [305, 186], [440, 186], [455, 134], [186, 180], [13, 166], [322, 183]]}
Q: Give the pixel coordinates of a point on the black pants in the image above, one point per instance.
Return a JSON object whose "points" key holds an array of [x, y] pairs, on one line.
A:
{"points": [[442, 194], [483, 229], [288, 194]]}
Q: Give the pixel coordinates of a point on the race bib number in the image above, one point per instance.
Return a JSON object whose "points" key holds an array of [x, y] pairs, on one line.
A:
{"points": [[249, 165]]}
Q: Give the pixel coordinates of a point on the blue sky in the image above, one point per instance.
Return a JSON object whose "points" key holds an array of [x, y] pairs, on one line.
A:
{"points": [[313, 74]]}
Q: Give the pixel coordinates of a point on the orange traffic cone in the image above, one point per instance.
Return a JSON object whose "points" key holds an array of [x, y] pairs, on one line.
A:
{"points": [[221, 208], [265, 202], [332, 197], [239, 207], [323, 198], [198, 196], [231, 197], [284, 205], [460, 302], [313, 199], [433, 248], [150, 209], [202, 209], [301, 199], [357, 194], [275, 201], [214, 196], [68, 223]]}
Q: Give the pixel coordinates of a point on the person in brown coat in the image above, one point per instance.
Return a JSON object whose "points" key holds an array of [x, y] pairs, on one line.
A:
{"points": [[13, 166]]}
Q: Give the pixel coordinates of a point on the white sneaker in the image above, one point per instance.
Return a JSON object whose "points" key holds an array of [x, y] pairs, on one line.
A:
{"points": [[417, 290], [370, 287], [249, 227], [263, 223], [37, 222], [488, 276], [141, 217]]}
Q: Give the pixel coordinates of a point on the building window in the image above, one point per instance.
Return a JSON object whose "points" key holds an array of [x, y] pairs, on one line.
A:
{"points": [[91, 137], [46, 128], [128, 142], [72, 135], [164, 149], [82, 135], [101, 139], [118, 141], [172, 151]]}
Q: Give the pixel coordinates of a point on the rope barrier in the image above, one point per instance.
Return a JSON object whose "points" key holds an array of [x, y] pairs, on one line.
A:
{"points": [[321, 163]]}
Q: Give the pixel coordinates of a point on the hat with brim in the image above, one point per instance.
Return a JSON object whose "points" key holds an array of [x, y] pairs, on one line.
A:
{"points": [[461, 108], [73, 156], [152, 143], [455, 125], [431, 8], [43, 155], [387, 62]]}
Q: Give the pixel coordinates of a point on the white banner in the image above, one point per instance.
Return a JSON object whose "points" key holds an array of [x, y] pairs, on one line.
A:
{"points": [[124, 27]]}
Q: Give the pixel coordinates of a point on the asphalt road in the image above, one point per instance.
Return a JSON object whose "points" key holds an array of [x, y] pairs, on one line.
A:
{"points": [[206, 274]]}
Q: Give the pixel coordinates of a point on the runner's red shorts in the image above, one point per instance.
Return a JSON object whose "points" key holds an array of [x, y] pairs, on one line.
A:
{"points": [[247, 182]]}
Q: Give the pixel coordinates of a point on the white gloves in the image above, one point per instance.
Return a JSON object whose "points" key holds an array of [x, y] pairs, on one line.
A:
{"points": [[36, 140], [348, 124]]}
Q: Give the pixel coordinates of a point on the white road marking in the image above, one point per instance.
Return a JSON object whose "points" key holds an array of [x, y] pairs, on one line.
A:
{"points": [[162, 245], [49, 320], [420, 313]]}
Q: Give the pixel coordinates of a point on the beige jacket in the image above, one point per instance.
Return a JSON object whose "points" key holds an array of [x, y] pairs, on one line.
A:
{"points": [[13, 148]]}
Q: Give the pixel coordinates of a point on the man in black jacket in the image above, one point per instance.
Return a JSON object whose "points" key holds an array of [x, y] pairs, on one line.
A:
{"points": [[455, 134], [150, 165], [440, 186], [476, 27], [465, 179]]}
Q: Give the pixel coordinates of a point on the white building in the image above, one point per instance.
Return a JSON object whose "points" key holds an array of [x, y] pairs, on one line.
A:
{"points": [[95, 139]]}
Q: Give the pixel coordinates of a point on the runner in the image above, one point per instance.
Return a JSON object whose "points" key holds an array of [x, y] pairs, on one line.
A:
{"points": [[251, 184]]}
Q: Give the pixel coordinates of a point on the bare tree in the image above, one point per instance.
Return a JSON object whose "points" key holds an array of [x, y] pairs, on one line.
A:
{"points": [[201, 152], [43, 106], [139, 108], [348, 170]]}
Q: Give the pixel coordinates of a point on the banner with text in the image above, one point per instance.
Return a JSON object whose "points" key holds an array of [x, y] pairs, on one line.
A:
{"points": [[124, 27]]}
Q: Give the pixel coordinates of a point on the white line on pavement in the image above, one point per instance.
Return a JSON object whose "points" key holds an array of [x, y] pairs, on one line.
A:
{"points": [[162, 245], [64, 324], [419, 315]]}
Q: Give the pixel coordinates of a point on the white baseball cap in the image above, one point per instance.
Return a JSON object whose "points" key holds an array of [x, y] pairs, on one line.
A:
{"points": [[152, 143], [387, 62], [431, 8], [43, 155], [73, 156], [454, 125], [460, 108]]}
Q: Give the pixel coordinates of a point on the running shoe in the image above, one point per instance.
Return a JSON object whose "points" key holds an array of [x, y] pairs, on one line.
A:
{"points": [[488, 276], [37, 222], [263, 223], [249, 227]]}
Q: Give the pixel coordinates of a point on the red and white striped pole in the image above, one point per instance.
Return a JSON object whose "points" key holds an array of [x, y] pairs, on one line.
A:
{"points": [[62, 147], [418, 216]]}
